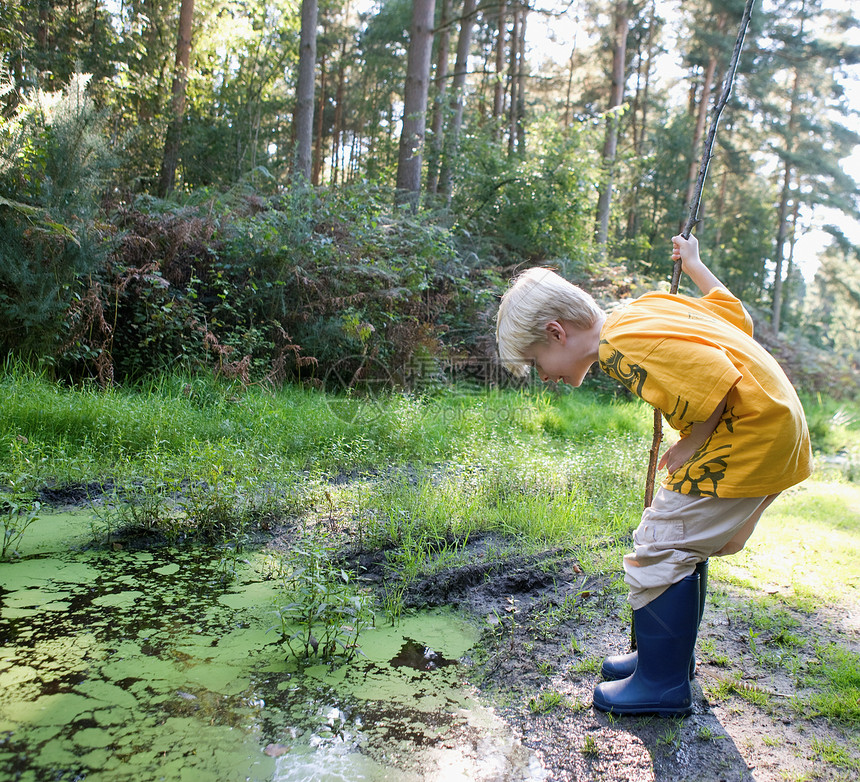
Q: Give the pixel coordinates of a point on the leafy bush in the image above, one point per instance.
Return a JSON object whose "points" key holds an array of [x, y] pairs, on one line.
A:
{"points": [[290, 287], [53, 159], [540, 207], [17, 512]]}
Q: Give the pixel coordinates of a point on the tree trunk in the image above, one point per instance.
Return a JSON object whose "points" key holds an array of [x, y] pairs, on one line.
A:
{"points": [[782, 213], [303, 118], [318, 146], [437, 122], [721, 207], [17, 63], [499, 87], [337, 124], [513, 69], [640, 105], [42, 29], [452, 136], [789, 270], [167, 176], [571, 66], [415, 103], [521, 78], [781, 234], [698, 134], [610, 145]]}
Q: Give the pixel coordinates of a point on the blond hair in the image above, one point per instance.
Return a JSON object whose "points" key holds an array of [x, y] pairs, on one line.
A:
{"points": [[536, 297]]}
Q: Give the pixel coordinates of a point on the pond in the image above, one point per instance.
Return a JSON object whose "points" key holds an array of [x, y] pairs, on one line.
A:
{"points": [[147, 665]]}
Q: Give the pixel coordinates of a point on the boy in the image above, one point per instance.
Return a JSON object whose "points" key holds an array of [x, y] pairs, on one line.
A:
{"points": [[743, 441]]}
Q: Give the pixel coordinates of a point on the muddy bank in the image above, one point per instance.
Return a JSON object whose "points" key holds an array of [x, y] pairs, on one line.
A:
{"points": [[548, 625]]}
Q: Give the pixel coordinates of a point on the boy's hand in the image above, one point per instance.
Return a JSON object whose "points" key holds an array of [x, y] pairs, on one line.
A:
{"points": [[678, 454], [687, 250], [682, 451]]}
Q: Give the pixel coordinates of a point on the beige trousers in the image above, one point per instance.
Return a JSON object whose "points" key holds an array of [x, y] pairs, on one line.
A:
{"points": [[678, 531]]}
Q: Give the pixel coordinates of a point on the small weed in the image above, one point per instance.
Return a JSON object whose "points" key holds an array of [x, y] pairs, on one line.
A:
{"points": [[706, 733], [751, 693], [587, 665], [753, 640], [16, 514], [709, 650], [671, 738], [771, 741], [549, 618], [590, 748], [545, 668], [831, 752], [546, 702], [786, 638]]}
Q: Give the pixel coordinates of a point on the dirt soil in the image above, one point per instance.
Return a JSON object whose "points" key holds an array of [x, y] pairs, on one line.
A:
{"points": [[548, 627]]}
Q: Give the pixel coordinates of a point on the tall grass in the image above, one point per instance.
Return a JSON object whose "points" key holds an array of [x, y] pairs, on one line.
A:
{"points": [[58, 435], [550, 467], [529, 463]]}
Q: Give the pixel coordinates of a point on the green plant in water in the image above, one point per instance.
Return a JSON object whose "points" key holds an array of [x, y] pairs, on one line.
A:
{"points": [[146, 507], [324, 612], [392, 599], [18, 512]]}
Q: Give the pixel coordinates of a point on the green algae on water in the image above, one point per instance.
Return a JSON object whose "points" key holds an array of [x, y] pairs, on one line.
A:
{"points": [[144, 666]]}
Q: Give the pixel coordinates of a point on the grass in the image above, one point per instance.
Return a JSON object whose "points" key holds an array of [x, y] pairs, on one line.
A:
{"points": [[812, 534], [418, 476], [833, 675], [802, 567], [546, 702], [409, 472]]}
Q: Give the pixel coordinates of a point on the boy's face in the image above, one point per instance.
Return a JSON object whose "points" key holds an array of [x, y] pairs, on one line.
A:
{"points": [[568, 352]]}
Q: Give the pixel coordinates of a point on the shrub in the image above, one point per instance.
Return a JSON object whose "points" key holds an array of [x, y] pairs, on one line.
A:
{"points": [[53, 159]]}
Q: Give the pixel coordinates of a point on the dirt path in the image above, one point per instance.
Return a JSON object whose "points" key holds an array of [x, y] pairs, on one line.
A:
{"points": [[548, 626]]}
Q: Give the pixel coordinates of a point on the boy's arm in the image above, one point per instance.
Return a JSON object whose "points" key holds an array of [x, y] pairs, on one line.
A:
{"points": [[688, 251], [682, 451]]}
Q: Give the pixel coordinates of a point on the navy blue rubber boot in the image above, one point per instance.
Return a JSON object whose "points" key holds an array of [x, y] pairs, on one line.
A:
{"points": [[620, 666], [666, 631]]}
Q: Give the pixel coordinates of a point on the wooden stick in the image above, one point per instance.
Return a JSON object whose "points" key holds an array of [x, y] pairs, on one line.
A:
{"points": [[692, 219]]}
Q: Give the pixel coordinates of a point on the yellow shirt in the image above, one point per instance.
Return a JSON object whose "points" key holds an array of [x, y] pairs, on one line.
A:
{"points": [[683, 355]]}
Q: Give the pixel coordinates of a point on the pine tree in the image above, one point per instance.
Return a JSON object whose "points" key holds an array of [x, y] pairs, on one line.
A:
{"points": [[415, 102], [806, 114]]}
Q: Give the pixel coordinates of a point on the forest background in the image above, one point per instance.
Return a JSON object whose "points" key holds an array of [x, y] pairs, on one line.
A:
{"points": [[339, 192]]}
